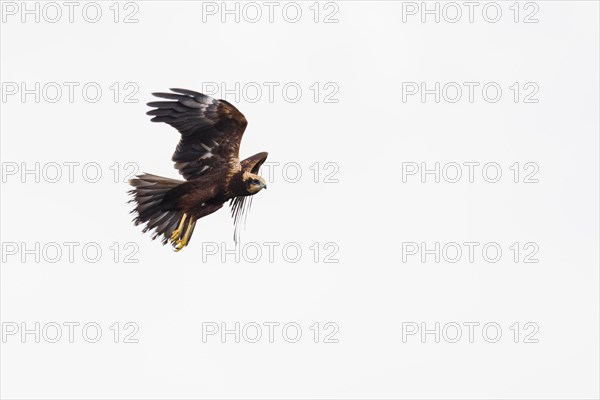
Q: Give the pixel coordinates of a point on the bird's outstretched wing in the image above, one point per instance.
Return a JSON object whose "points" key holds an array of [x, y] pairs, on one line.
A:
{"points": [[254, 162], [211, 131], [240, 206]]}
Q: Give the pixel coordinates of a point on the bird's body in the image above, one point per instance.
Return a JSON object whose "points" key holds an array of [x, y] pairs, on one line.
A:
{"points": [[207, 157]]}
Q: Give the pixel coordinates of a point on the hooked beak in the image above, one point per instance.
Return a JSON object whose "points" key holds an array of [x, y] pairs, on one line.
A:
{"points": [[263, 185]]}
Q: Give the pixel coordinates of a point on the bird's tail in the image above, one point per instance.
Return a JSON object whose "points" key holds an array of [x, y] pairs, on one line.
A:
{"points": [[148, 193]]}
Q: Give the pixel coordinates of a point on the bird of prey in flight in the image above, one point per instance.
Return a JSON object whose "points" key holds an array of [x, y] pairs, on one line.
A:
{"points": [[207, 156]]}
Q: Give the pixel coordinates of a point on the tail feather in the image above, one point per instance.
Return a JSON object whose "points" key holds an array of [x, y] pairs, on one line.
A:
{"points": [[148, 193]]}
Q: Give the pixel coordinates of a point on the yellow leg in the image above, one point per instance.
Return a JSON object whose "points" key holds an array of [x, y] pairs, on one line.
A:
{"points": [[177, 232], [180, 244]]}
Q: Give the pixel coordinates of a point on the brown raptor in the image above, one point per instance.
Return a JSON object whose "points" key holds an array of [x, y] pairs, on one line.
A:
{"points": [[207, 156]]}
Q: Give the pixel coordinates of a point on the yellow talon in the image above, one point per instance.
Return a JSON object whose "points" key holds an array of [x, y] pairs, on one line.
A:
{"points": [[181, 243], [177, 232]]}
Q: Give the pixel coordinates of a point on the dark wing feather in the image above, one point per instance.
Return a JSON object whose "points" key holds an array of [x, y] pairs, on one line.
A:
{"points": [[240, 206], [211, 131]]}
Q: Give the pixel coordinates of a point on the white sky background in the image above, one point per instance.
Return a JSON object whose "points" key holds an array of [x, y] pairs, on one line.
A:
{"points": [[364, 130]]}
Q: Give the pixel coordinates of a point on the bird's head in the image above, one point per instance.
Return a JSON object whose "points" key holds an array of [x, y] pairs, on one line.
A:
{"points": [[254, 183]]}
